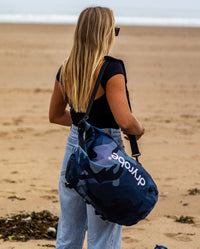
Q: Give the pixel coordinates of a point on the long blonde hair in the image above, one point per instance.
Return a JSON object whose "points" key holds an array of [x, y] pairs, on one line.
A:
{"points": [[93, 38]]}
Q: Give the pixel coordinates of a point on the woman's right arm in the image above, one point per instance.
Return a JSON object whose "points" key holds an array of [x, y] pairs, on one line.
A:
{"points": [[117, 100], [57, 109]]}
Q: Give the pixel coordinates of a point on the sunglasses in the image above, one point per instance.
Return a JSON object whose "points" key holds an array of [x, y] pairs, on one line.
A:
{"points": [[117, 31]]}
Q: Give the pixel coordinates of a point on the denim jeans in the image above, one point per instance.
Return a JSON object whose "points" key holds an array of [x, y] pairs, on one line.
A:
{"points": [[76, 216]]}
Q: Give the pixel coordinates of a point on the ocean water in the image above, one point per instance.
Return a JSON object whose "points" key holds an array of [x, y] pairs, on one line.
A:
{"points": [[127, 12]]}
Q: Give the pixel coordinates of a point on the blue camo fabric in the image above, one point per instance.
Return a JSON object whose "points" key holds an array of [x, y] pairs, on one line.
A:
{"points": [[117, 186]]}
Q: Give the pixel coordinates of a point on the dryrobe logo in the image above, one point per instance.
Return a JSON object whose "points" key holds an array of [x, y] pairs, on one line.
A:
{"points": [[134, 171]]}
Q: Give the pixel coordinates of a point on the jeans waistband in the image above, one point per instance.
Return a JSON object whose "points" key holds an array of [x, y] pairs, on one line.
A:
{"points": [[110, 131]]}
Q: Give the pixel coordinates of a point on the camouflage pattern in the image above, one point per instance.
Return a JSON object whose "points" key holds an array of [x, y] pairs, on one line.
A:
{"points": [[117, 186], [160, 247]]}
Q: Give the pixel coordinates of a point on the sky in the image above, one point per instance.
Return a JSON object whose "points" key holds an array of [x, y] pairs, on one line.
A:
{"points": [[75, 6]]}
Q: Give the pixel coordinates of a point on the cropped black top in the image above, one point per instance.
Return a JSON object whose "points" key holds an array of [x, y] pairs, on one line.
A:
{"points": [[100, 114]]}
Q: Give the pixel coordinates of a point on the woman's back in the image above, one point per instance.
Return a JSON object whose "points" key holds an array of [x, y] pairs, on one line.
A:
{"points": [[101, 116]]}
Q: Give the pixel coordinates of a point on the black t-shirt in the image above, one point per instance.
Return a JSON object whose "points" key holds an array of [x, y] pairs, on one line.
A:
{"points": [[100, 114]]}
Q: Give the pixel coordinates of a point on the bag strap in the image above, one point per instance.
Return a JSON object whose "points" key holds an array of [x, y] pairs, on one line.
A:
{"points": [[132, 138], [81, 124], [134, 147], [98, 81]]}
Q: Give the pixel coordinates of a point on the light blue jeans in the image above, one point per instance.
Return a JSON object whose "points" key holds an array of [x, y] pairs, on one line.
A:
{"points": [[76, 216]]}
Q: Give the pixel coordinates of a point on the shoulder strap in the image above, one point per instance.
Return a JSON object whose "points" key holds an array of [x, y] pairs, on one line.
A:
{"points": [[102, 70], [132, 138]]}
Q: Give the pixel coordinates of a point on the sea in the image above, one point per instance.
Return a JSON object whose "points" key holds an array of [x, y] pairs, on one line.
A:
{"points": [[180, 13]]}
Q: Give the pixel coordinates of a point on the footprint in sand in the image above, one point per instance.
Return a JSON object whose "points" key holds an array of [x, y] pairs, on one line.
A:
{"points": [[14, 172], [185, 237], [129, 240], [17, 121], [8, 181], [6, 123], [3, 134], [11, 148], [49, 197], [52, 191]]}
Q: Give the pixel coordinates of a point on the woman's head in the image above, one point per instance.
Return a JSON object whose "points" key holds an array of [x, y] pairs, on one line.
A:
{"points": [[93, 37], [95, 29]]}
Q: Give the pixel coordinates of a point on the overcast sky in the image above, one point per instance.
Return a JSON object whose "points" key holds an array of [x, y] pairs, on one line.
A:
{"points": [[76, 5]]}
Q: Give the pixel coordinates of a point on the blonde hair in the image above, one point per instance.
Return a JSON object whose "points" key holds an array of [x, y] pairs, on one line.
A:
{"points": [[93, 38]]}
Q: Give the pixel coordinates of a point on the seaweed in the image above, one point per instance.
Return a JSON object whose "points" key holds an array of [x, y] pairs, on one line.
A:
{"points": [[194, 191], [23, 227], [182, 219]]}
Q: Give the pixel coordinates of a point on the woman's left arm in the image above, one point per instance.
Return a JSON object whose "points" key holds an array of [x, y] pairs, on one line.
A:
{"points": [[57, 109]]}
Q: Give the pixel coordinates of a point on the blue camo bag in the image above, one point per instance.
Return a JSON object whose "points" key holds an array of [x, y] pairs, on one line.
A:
{"points": [[116, 185]]}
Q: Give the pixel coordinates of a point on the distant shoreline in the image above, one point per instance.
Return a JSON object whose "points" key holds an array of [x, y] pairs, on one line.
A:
{"points": [[126, 21], [139, 28]]}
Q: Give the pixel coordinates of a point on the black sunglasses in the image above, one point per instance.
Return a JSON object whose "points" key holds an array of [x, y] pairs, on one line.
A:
{"points": [[117, 31]]}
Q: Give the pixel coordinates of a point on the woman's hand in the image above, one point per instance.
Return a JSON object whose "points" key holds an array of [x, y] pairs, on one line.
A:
{"points": [[126, 136], [139, 136]]}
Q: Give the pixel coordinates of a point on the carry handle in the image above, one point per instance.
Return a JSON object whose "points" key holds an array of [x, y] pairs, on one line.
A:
{"points": [[134, 147]]}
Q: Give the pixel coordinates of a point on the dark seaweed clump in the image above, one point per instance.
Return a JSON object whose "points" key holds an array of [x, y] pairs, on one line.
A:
{"points": [[23, 227], [194, 191], [185, 219], [182, 219]]}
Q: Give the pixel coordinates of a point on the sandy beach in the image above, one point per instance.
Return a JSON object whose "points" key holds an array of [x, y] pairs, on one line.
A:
{"points": [[163, 70]]}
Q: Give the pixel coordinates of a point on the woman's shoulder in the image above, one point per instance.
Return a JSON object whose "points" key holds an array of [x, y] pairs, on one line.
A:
{"points": [[114, 67], [113, 59], [115, 64]]}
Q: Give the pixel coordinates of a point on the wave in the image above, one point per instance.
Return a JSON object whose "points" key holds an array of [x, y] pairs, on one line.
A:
{"points": [[34, 18], [72, 19], [159, 21]]}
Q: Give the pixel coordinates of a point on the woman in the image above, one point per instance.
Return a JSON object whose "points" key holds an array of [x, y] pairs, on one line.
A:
{"points": [[93, 38]]}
